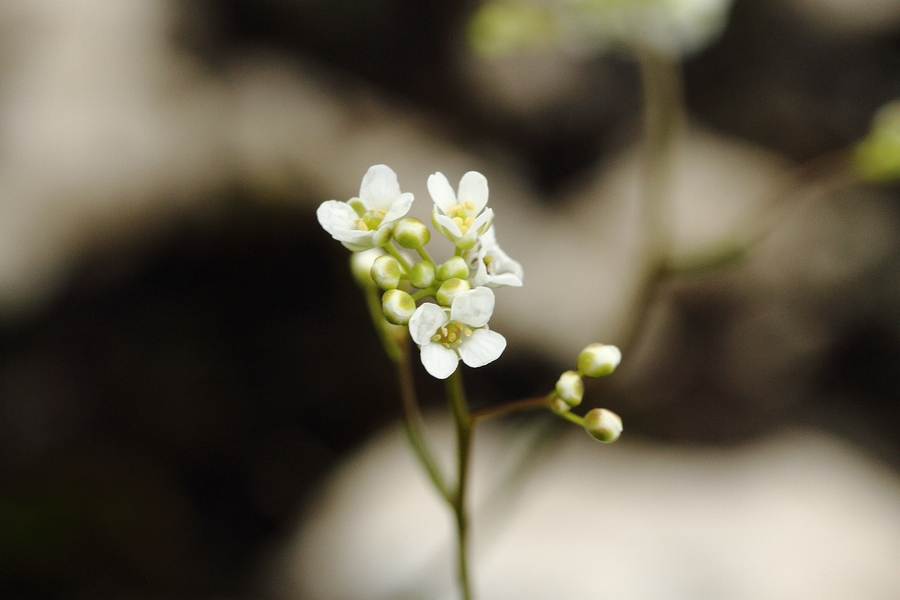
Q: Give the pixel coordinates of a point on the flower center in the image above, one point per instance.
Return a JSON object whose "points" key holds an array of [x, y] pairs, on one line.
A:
{"points": [[463, 215], [488, 260], [451, 334], [370, 220]]}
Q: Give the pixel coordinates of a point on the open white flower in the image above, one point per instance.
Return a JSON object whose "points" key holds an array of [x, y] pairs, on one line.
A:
{"points": [[365, 222], [445, 338], [461, 217], [490, 266]]}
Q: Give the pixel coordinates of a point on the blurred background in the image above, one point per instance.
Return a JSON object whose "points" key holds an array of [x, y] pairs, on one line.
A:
{"points": [[185, 360]]}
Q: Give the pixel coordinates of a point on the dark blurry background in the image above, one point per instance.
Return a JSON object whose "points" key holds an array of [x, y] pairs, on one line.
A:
{"points": [[168, 405]]}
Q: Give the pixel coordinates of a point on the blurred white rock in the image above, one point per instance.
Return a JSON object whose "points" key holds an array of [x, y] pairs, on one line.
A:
{"points": [[797, 515]]}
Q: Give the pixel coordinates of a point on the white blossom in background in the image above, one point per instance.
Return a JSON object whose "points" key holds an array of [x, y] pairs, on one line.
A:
{"points": [[671, 27], [444, 339], [365, 222], [490, 266], [461, 217]]}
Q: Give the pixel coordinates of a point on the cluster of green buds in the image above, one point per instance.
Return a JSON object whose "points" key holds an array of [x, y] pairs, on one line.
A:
{"points": [[375, 227], [596, 360], [390, 258]]}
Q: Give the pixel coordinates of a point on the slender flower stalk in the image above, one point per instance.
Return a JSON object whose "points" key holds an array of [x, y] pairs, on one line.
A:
{"points": [[463, 423], [414, 428]]}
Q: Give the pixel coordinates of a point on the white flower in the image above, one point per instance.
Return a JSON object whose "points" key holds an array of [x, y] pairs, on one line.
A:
{"points": [[671, 27], [489, 265], [443, 339], [460, 217], [365, 222]]}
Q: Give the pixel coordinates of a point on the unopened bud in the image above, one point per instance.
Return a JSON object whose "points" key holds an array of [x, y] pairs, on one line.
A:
{"points": [[450, 289], [598, 360], [386, 272], [570, 388], [558, 406], [454, 268], [398, 306], [422, 274], [411, 233], [361, 266], [603, 425]]}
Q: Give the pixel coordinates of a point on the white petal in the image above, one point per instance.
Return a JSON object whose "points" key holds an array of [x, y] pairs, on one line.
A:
{"points": [[360, 244], [483, 221], [451, 229], [502, 279], [482, 347], [336, 216], [399, 208], [467, 240], [441, 192], [473, 188], [427, 319], [473, 307], [440, 362], [478, 275], [488, 239], [379, 188], [506, 270]]}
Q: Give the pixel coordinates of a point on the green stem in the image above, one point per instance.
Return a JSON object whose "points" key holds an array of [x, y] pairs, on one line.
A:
{"points": [[463, 421], [412, 417], [424, 254], [382, 327], [424, 293], [392, 250], [414, 428], [568, 416], [504, 409]]}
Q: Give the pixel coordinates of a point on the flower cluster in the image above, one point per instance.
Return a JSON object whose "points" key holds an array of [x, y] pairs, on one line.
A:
{"points": [[455, 326]]}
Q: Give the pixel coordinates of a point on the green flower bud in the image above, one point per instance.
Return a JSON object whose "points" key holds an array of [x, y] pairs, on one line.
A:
{"points": [[598, 360], [454, 268], [386, 272], [603, 425], [422, 274], [361, 266], [570, 388], [558, 406], [398, 306], [411, 233], [450, 289]]}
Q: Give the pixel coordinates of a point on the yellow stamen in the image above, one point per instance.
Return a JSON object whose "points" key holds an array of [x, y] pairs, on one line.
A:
{"points": [[467, 332], [436, 337], [470, 205], [454, 210], [361, 226], [469, 221], [382, 211], [458, 221]]}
